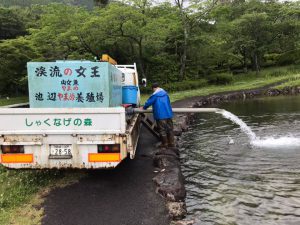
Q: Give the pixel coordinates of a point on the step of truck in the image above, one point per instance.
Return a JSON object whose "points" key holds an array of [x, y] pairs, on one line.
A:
{"points": [[150, 125]]}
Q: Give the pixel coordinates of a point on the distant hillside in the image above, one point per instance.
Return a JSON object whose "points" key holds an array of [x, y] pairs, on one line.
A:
{"points": [[24, 3]]}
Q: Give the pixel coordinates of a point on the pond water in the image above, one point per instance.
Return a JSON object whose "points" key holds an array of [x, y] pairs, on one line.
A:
{"points": [[229, 180]]}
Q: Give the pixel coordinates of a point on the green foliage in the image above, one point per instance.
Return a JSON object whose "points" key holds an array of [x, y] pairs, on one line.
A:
{"points": [[254, 28], [11, 24], [274, 72], [169, 43], [293, 69], [178, 86], [56, 35], [277, 72], [271, 59], [185, 85], [14, 55], [290, 57], [220, 79], [25, 3]]}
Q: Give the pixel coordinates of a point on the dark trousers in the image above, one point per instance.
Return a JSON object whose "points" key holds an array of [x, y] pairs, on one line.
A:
{"points": [[164, 126]]}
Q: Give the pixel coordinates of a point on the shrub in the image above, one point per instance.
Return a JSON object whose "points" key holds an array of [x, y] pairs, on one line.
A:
{"points": [[185, 85], [178, 86], [277, 72], [145, 90], [221, 78], [294, 68], [290, 57], [271, 59]]}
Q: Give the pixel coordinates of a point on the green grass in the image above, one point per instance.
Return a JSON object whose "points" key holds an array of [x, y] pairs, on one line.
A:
{"points": [[236, 86], [288, 76], [292, 82], [15, 100], [18, 187]]}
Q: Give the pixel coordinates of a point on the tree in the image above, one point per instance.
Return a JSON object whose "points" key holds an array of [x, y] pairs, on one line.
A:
{"points": [[131, 31], [253, 29], [57, 34], [169, 42], [101, 2], [11, 24], [14, 54], [252, 33]]}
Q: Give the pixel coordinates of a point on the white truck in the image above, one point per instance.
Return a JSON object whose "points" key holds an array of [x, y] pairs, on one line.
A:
{"points": [[70, 137]]}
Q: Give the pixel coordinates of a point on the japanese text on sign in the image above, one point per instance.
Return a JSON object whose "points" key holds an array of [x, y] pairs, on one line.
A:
{"points": [[70, 88], [55, 71], [59, 122]]}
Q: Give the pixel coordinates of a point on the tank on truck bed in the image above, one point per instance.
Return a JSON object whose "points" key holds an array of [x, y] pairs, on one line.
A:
{"points": [[74, 84], [76, 118]]}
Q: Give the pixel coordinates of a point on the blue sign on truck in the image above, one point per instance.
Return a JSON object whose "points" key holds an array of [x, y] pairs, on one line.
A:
{"points": [[74, 84]]}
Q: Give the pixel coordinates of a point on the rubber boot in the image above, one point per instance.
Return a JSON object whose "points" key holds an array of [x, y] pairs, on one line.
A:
{"points": [[171, 140], [164, 142]]}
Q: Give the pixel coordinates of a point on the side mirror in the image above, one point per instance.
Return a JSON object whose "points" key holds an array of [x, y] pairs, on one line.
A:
{"points": [[144, 82]]}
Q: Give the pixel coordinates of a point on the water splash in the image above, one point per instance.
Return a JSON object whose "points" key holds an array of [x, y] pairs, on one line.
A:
{"points": [[281, 142], [267, 142], [247, 130]]}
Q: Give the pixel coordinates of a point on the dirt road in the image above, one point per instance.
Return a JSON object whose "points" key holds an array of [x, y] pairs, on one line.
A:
{"points": [[123, 196]]}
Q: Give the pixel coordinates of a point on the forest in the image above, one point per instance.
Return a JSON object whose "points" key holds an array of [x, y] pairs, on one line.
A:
{"points": [[171, 41]]}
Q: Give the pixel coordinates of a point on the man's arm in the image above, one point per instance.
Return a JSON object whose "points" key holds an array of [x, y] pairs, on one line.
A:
{"points": [[149, 102]]}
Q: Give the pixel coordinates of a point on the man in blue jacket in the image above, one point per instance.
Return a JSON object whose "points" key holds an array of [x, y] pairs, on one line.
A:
{"points": [[162, 113]]}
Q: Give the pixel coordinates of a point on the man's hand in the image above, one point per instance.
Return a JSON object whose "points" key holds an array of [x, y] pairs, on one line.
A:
{"points": [[141, 107]]}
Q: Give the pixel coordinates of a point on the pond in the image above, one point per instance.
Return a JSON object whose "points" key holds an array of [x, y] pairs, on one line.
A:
{"points": [[230, 181]]}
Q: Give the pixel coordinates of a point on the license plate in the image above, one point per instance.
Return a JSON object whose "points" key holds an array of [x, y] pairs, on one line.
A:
{"points": [[60, 150]]}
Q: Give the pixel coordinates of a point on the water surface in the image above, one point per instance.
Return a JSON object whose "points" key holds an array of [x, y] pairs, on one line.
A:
{"points": [[239, 183]]}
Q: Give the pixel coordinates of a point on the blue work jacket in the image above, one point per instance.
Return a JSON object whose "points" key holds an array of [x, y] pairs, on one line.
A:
{"points": [[161, 105]]}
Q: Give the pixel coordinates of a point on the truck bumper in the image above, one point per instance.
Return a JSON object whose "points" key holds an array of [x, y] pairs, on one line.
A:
{"points": [[84, 151]]}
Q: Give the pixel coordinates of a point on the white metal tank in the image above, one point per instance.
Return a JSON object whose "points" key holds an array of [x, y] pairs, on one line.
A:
{"points": [[130, 77]]}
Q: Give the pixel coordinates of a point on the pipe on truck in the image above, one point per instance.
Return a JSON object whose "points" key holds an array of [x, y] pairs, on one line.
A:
{"points": [[184, 110]]}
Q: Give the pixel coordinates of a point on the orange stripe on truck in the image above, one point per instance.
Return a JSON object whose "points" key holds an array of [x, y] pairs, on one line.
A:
{"points": [[104, 157], [16, 158]]}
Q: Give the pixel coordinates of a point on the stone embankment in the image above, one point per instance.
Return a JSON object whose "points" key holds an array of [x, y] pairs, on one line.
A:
{"points": [[169, 179]]}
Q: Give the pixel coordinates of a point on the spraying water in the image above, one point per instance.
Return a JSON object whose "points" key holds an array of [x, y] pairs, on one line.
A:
{"points": [[267, 142], [247, 130]]}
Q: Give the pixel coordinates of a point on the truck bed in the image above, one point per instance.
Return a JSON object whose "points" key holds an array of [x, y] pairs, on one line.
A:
{"points": [[62, 120], [82, 131]]}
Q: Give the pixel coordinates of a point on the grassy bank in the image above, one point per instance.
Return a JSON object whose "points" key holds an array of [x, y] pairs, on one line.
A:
{"points": [[286, 76], [238, 85], [292, 82]]}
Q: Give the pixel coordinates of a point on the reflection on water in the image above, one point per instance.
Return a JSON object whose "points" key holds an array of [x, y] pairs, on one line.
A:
{"points": [[238, 183]]}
